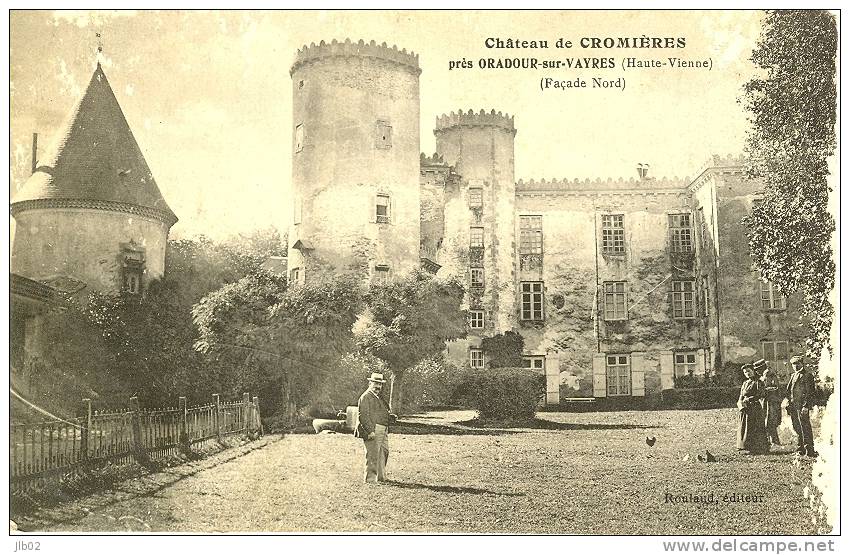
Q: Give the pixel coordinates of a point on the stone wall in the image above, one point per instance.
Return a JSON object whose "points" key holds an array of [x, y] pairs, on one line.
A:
{"points": [[744, 323], [85, 244], [575, 269], [355, 137]]}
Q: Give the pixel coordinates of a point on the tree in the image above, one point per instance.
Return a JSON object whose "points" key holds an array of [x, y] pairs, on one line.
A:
{"points": [[792, 111], [149, 339], [201, 265], [150, 342], [410, 320], [293, 336]]}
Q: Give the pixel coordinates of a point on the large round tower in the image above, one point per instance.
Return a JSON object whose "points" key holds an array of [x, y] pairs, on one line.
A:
{"points": [[91, 213], [355, 160], [480, 146]]}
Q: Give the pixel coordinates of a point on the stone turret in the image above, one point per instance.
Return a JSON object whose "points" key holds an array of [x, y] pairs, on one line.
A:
{"points": [[480, 147], [92, 212], [355, 162]]}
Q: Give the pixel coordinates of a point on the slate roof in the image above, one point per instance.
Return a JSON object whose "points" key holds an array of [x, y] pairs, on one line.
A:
{"points": [[35, 290], [95, 158], [275, 265]]}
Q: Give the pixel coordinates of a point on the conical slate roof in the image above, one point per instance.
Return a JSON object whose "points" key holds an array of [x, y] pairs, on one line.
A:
{"points": [[95, 162]]}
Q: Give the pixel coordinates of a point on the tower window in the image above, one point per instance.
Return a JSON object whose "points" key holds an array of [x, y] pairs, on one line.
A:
{"points": [[476, 319], [476, 358], [299, 138], [383, 135], [613, 234], [296, 211], [476, 237], [476, 278], [382, 209], [476, 197], [381, 275], [531, 234], [132, 268], [771, 299], [132, 282]]}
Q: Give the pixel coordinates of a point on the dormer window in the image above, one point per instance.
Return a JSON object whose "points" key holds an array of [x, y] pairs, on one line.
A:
{"points": [[132, 283], [476, 197], [132, 268]]}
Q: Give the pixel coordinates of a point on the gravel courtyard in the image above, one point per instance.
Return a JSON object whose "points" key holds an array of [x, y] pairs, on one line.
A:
{"points": [[573, 473]]}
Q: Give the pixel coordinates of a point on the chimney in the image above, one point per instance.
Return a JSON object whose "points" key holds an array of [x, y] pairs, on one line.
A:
{"points": [[34, 151]]}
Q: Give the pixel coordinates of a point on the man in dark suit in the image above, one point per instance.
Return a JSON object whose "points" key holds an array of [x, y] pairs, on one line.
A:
{"points": [[801, 397], [373, 420]]}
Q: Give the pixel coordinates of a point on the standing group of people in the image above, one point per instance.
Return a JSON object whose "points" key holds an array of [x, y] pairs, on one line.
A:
{"points": [[760, 407]]}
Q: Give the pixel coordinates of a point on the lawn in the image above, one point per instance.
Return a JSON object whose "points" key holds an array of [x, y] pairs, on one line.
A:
{"points": [[587, 473], [573, 473]]}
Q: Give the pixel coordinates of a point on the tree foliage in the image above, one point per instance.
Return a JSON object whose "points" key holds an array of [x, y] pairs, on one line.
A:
{"points": [[344, 384], [792, 111], [201, 265], [411, 319], [149, 339], [150, 343], [292, 336]]}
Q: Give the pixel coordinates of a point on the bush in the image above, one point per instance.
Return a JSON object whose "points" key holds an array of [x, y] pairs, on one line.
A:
{"points": [[504, 393], [343, 385], [701, 397], [504, 350], [432, 383]]}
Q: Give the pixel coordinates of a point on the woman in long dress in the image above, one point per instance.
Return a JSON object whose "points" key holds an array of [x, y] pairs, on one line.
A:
{"points": [[752, 437], [772, 404]]}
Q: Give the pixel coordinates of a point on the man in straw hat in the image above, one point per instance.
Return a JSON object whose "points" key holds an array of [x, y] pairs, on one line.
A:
{"points": [[801, 397], [372, 426]]}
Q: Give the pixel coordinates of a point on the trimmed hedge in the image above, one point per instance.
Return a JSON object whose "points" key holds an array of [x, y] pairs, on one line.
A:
{"points": [[701, 397], [431, 383], [504, 393]]}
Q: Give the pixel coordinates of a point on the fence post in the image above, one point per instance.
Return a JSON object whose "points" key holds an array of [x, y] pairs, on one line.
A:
{"points": [[184, 425], [217, 418], [84, 433], [257, 420], [139, 451], [246, 412]]}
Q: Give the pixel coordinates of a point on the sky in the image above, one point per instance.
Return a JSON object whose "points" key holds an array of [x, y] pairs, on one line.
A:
{"points": [[208, 94]]}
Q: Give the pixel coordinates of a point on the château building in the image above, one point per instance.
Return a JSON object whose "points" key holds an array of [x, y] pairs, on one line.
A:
{"points": [[620, 288]]}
